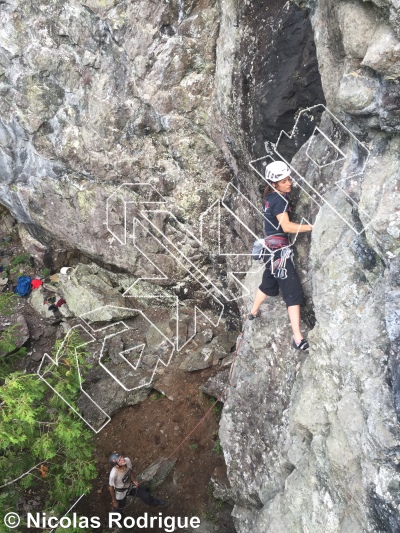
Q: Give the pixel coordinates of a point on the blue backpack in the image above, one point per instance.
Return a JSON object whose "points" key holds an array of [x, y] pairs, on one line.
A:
{"points": [[23, 287]]}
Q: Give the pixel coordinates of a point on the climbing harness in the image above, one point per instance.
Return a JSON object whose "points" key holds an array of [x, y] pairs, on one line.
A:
{"points": [[265, 248], [279, 243]]}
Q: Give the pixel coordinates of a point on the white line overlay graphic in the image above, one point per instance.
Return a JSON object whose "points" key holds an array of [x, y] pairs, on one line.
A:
{"points": [[139, 217]]}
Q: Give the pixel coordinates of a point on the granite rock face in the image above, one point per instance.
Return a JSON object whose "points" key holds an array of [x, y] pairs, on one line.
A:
{"points": [[107, 105], [100, 94], [358, 56], [311, 441]]}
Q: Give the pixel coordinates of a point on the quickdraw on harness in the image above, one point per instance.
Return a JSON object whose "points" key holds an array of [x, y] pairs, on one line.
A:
{"points": [[276, 243]]}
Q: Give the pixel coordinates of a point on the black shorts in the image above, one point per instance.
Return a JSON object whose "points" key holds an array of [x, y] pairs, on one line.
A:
{"points": [[291, 290]]}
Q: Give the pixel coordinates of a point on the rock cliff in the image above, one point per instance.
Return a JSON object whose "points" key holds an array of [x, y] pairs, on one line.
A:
{"points": [[312, 441], [98, 94], [177, 97]]}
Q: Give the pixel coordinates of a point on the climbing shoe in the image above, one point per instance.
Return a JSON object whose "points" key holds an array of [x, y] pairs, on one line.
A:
{"points": [[303, 345], [252, 317]]}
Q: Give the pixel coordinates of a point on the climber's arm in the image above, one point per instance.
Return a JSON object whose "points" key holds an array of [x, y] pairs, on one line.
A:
{"points": [[292, 227]]}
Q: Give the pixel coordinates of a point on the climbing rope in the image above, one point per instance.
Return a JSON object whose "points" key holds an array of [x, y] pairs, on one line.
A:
{"points": [[230, 384]]}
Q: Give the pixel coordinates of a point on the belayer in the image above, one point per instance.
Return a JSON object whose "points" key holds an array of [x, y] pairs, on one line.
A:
{"points": [[280, 272], [122, 483]]}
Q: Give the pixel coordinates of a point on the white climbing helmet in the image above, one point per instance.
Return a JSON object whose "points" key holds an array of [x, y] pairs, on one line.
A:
{"points": [[276, 171]]}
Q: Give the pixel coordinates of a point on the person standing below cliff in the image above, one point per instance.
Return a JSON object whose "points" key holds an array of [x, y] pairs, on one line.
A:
{"points": [[122, 483], [280, 272]]}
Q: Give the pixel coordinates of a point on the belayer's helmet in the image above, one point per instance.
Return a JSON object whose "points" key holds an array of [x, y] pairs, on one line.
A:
{"points": [[113, 459], [276, 171]]}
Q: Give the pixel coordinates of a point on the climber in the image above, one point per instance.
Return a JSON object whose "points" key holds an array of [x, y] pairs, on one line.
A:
{"points": [[122, 484], [280, 272]]}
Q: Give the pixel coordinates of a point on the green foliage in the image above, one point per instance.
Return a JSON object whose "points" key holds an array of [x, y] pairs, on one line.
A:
{"points": [[9, 338], [36, 426], [20, 260], [45, 272], [211, 516], [193, 447], [8, 301], [157, 396], [214, 507], [217, 447], [5, 241], [217, 409]]}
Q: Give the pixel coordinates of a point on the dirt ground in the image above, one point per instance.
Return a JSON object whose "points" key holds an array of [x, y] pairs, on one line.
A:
{"points": [[157, 428]]}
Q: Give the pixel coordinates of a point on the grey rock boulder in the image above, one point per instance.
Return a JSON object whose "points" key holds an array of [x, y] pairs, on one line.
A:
{"points": [[199, 360], [91, 294], [221, 486], [383, 53], [14, 336], [103, 397], [213, 352], [156, 473], [36, 300], [217, 386]]}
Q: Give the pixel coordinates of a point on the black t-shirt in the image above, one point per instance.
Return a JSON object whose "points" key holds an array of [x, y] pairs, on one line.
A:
{"points": [[275, 204]]}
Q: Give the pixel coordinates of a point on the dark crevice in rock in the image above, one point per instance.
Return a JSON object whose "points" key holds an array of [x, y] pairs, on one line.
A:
{"points": [[385, 515], [287, 469], [308, 314], [368, 259], [393, 376], [279, 71], [167, 29]]}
